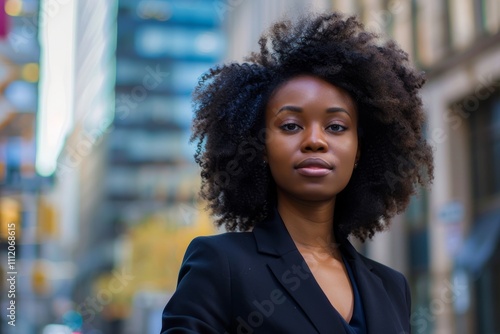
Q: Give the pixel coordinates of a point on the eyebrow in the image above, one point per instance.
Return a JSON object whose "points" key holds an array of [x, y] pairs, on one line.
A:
{"points": [[299, 109]]}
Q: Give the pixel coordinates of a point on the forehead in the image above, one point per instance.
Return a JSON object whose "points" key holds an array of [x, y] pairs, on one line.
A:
{"points": [[310, 90]]}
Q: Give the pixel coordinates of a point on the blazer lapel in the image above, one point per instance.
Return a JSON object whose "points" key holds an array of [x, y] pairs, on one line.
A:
{"points": [[292, 272], [380, 317]]}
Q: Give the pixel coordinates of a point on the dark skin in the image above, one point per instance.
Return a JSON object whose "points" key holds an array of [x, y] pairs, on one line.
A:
{"points": [[311, 149]]}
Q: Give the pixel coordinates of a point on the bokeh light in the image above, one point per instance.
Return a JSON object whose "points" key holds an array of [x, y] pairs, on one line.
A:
{"points": [[30, 72], [14, 7]]}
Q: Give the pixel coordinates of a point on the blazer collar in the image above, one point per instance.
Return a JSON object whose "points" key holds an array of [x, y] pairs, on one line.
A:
{"points": [[272, 238], [292, 272], [380, 315]]}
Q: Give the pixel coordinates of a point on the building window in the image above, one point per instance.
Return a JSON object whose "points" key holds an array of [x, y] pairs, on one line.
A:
{"points": [[430, 31], [488, 292], [487, 16], [416, 220], [462, 22], [485, 145], [485, 136]]}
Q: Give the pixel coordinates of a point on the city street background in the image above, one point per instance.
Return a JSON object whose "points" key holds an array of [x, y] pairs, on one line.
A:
{"points": [[98, 185]]}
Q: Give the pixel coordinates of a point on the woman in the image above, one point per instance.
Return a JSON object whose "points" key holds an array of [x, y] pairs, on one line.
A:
{"points": [[316, 138]]}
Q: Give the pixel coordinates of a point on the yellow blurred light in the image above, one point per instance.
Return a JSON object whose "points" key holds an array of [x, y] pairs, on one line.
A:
{"points": [[10, 217], [47, 221], [29, 72], [161, 17], [39, 278], [14, 7]]}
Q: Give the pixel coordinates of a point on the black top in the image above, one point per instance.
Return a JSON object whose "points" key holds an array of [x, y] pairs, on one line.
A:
{"points": [[357, 324]]}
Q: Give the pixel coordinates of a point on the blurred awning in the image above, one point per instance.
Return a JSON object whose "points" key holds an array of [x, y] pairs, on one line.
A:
{"points": [[481, 243]]}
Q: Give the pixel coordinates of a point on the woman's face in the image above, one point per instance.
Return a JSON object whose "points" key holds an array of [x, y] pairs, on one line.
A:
{"points": [[311, 138]]}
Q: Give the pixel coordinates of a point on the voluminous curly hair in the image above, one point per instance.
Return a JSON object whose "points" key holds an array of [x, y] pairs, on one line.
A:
{"points": [[229, 123]]}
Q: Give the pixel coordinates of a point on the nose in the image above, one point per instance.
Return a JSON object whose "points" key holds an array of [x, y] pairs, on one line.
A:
{"points": [[314, 140]]}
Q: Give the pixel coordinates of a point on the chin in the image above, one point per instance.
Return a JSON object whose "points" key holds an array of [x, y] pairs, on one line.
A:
{"points": [[315, 196]]}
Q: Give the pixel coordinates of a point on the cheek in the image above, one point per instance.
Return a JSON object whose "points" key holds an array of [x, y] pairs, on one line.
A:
{"points": [[348, 151], [276, 158], [277, 147]]}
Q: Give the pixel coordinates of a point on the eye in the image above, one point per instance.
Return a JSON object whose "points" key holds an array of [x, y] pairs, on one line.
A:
{"points": [[337, 128], [290, 127]]}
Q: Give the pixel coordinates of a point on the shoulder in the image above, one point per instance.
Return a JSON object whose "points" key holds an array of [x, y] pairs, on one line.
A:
{"points": [[226, 237], [222, 245], [209, 261], [223, 240]]}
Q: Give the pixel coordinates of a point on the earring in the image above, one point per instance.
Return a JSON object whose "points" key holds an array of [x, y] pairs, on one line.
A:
{"points": [[355, 165]]}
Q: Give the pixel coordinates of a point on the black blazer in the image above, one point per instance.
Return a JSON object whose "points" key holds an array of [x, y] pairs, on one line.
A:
{"points": [[258, 282]]}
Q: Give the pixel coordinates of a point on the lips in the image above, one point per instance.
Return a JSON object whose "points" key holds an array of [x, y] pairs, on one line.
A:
{"points": [[314, 167]]}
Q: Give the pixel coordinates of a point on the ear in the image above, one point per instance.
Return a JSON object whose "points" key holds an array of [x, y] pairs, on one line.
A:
{"points": [[358, 152]]}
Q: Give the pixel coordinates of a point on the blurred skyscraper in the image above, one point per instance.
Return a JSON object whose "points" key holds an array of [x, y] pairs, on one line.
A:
{"points": [[151, 183], [163, 48], [75, 110]]}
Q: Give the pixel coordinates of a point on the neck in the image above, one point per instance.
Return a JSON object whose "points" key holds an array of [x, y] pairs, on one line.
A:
{"points": [[310, 224]]}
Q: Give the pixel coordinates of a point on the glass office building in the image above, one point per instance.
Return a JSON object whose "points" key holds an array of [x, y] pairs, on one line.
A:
{"points": [[163, 47]]}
